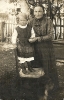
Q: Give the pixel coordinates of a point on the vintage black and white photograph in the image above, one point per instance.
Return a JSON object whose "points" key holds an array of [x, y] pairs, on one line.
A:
{"points": [[31, 49]]}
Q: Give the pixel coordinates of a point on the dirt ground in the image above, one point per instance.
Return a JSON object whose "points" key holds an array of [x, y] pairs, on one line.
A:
{"points": [[8, 79]]}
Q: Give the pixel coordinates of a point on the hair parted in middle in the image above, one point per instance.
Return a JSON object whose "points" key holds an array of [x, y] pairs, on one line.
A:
{"points": [[21, 15], [40, 5]]}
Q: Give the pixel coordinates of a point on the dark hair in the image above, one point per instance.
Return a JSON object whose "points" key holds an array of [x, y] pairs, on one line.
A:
{"points": [[40, 5]]}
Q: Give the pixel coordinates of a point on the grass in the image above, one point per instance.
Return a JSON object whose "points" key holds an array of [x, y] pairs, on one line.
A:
{"points": [[8, 87]]}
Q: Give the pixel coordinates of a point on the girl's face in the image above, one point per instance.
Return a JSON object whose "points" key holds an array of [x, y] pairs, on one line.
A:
{"points": [[22, 21], [38, 12]]}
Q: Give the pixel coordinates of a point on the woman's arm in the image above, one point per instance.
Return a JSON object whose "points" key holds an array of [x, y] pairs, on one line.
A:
{"points": [[49, 34]]}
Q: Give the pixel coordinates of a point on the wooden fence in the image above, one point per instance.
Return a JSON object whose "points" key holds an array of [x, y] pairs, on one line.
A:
{"points": [[59, 28], [7, 28]]}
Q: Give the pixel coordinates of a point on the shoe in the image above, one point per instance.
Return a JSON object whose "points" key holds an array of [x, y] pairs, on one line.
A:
{"points": [[30, 69], [24, 71]]}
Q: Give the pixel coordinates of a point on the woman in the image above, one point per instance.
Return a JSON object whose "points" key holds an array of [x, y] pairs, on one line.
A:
{"points": [[44, 51]]}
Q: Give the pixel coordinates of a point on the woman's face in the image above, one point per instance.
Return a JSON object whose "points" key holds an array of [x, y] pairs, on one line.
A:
{"points": [[38, 12]]}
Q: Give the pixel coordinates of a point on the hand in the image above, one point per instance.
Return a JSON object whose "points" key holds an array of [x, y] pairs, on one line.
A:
{"points": [[14, 46], [39, 39], [31, 40]]}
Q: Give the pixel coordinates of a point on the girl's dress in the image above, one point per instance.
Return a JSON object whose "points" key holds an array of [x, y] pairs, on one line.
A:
{"points": [[25, 50]]}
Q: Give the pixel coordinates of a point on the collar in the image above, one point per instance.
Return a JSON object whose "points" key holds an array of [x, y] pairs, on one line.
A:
{"points": [[37, 22], [40, 18], [22, 26]]}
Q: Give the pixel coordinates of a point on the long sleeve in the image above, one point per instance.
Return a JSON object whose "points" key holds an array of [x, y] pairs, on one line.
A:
{"points": [[14, 37], [49, 30], [32, 38], [32, 33]]}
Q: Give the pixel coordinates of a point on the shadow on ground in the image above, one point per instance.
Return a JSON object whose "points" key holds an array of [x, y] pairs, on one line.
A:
{"points": [[10, 89]]}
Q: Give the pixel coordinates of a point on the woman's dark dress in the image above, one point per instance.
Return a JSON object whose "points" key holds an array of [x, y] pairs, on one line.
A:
{"points": [[44, 51]]}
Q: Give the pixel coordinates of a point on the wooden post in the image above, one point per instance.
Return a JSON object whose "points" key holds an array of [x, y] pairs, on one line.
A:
{"points": [[63, 28], [60, 27], [2, 30], [55, 29]]}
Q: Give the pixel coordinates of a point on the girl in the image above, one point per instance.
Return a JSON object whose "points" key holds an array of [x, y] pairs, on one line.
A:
{"points": [[25, 50]]}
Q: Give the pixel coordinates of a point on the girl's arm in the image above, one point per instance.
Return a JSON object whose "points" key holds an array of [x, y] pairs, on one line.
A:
{"points": [[32, 38], [14, 37]]}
